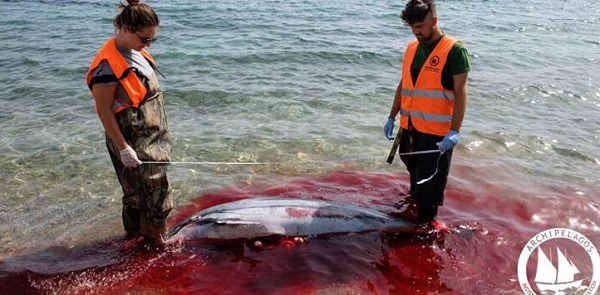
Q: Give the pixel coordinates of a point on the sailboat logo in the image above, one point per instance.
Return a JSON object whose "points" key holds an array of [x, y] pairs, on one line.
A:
{"points": [[555, 272], [555, 279]]}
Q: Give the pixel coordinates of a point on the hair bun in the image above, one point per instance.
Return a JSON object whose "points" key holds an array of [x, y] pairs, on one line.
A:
{"points": [[133, 2]]}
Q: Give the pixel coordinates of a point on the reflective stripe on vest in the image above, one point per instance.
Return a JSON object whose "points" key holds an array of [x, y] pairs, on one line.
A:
{"points": [[428, 104], [125, 73]]}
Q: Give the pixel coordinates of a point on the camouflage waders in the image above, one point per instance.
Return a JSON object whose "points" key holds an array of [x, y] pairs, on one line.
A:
{"points": [[147, 195]]}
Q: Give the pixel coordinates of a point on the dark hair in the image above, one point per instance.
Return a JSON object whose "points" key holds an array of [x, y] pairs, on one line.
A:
{"points": [[135, 16], [417, 10]]}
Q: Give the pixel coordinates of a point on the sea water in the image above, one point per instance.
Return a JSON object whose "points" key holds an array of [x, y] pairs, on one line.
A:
{"points": [[302, 88]]}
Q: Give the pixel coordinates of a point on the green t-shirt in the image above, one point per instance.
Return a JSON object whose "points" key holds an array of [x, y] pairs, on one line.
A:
{"points": [[456, 64]]}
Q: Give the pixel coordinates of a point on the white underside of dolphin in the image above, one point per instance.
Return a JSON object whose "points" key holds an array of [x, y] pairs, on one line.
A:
{"points": [[266, 217]]}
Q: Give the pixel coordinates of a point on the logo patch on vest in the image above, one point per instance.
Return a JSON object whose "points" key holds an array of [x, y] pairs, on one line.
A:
{"points": [[434, 61]]}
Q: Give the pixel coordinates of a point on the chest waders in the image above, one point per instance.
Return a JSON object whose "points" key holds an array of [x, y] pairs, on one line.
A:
{"points": [[147, 194]]}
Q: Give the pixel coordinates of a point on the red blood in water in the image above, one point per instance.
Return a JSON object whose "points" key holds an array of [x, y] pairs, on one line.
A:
{"points": [[476, 253]]}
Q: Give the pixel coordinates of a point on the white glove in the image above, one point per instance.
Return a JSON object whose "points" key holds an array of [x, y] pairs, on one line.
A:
{"points": [[129, 157]]}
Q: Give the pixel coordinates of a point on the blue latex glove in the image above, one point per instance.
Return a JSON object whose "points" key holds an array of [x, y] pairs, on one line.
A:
{"points": [[388, 129], [449, 141]]}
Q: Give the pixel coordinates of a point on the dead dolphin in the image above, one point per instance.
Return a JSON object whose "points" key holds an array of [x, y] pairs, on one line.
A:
{"points": [[267, 217]]}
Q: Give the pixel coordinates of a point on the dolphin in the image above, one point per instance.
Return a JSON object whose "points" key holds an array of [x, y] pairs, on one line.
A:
{"points": [[263, 217]]}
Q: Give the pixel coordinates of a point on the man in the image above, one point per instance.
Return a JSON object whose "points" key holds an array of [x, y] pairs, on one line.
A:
{"points": [[431, 100]]}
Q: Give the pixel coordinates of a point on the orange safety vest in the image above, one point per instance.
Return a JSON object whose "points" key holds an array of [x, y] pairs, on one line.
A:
{"points": [[426, 102], [124, 72]]}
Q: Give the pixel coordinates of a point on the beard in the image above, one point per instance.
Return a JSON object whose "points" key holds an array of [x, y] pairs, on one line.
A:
{"points": [[425, 38]]}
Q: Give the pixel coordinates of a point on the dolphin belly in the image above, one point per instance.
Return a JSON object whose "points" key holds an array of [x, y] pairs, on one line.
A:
{"points": [[263, 217]]}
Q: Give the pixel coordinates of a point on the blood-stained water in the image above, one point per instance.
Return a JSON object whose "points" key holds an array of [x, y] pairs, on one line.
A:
{"points": [[476, 254]]}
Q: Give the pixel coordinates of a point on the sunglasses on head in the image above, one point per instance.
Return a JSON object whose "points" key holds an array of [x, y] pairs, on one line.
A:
{"points": [[146, 40]]}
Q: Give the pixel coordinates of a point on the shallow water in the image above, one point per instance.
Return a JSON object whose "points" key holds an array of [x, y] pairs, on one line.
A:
{"points": [[303, 87], [476, 254]]}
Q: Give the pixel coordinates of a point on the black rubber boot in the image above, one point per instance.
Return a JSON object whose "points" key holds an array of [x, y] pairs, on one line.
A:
{"points": [[427, 213]]}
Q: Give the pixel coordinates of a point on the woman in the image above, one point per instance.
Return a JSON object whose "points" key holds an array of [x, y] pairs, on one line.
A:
{"points": [[130, 105]]}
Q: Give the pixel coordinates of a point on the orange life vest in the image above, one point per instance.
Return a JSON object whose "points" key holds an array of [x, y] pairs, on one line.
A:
{"points": [[428, 104], [124, 72]]}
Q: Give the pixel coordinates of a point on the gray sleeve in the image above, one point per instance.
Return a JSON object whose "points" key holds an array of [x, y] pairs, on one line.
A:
{"points": [[103, 74]]}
